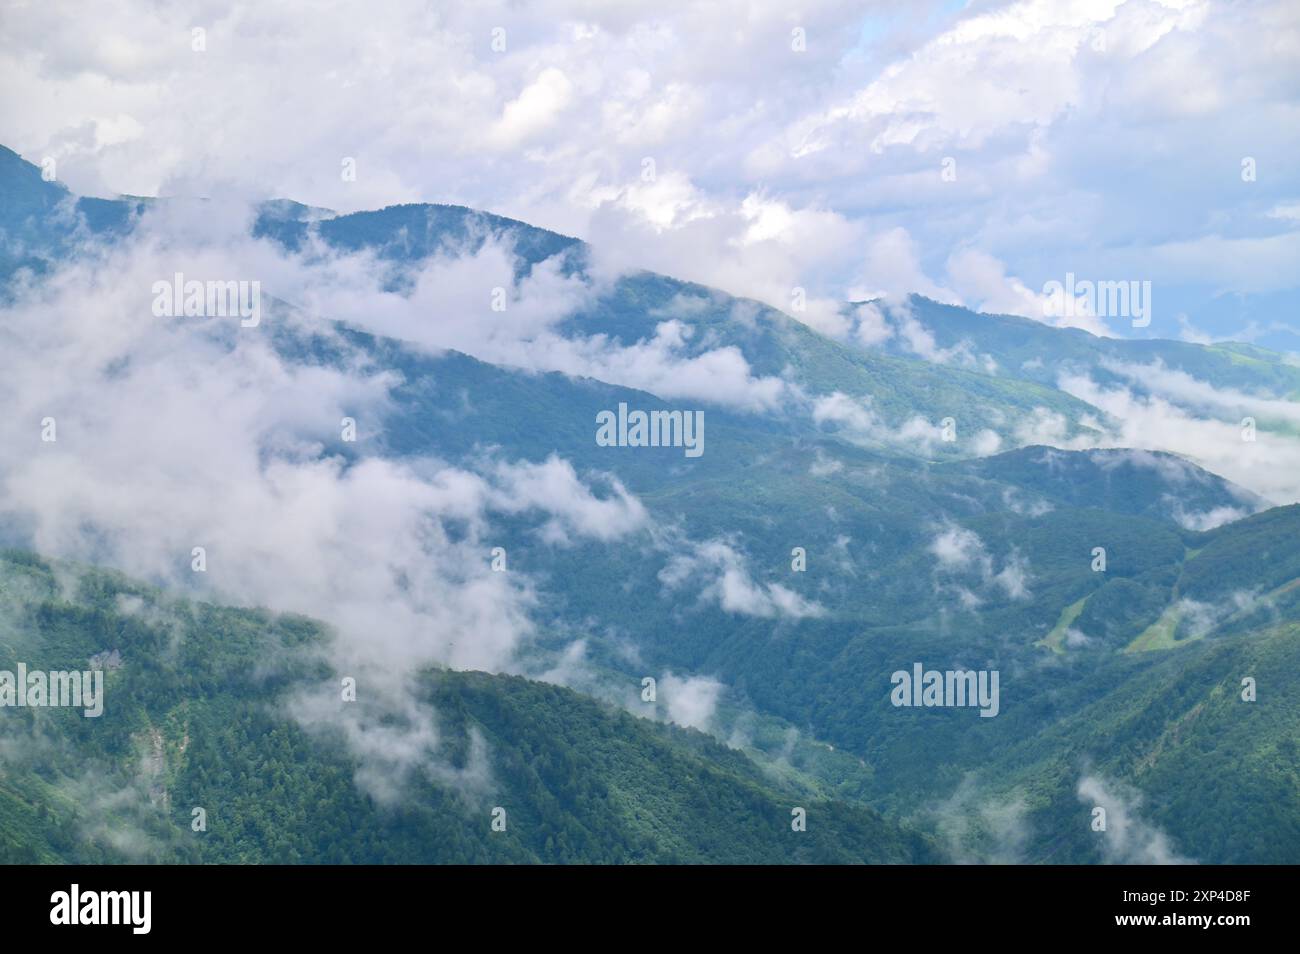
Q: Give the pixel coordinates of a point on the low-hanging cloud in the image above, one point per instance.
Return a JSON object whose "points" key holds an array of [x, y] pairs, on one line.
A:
{"points": [[1127, 839], [722, 574], [472, 300], [959, 552], [171, 434], [1265, 459]]}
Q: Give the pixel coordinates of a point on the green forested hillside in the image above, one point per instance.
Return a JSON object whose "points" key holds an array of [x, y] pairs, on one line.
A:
{"points": [[196, 715], [1218, 775]]}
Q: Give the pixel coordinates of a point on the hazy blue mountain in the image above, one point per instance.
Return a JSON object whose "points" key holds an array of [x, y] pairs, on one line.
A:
{"points": [[40, 221], [1030, 350]]}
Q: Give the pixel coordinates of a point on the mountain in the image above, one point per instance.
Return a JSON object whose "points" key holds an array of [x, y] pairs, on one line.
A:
{"points": [[1029, 350], [48, 221], [41, 221], [205, 724], [1136, 482], [1122, 595]]}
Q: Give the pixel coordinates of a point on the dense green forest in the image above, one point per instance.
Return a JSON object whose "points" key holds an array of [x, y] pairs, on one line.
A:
{"points": [[196, 717]]}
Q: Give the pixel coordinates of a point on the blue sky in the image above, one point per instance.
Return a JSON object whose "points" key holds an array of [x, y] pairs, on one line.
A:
{"points": [[706, 140]]}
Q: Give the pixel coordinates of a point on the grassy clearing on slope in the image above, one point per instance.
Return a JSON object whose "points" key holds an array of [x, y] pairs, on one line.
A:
{"points": [[1160, 634], [1055, 640]]}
